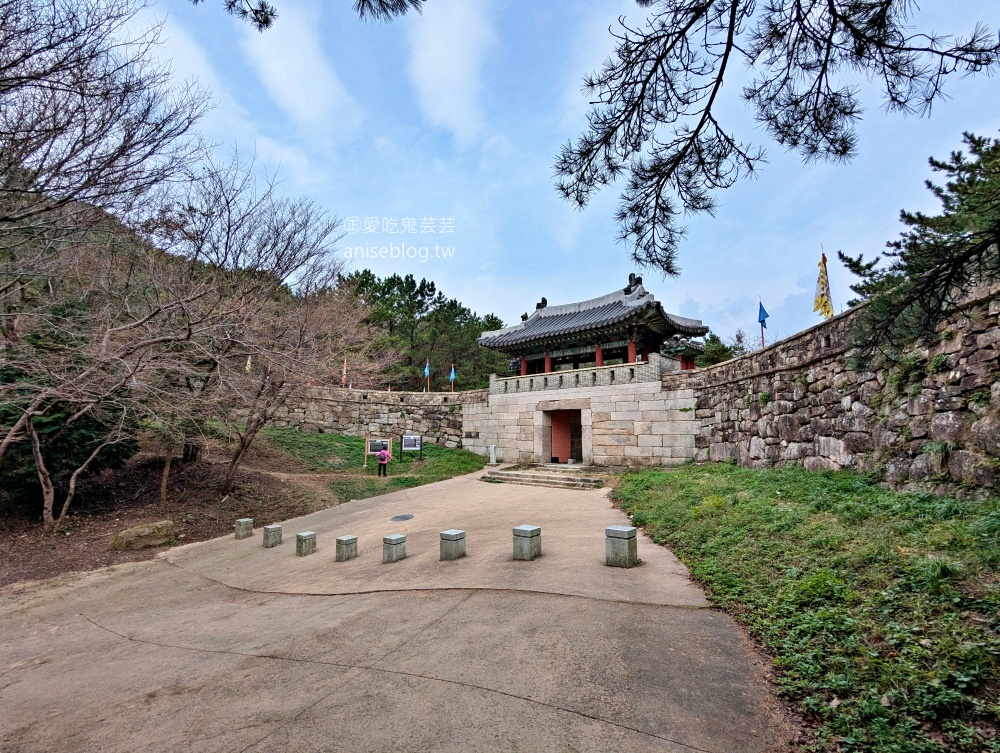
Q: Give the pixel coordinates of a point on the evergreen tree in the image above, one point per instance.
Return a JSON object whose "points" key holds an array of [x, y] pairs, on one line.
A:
{"points": [[420, 324], [938, 259], [717, 351]]}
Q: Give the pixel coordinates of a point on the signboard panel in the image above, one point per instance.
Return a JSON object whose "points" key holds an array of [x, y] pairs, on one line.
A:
{"points": [[377, 445], [411, 443]]}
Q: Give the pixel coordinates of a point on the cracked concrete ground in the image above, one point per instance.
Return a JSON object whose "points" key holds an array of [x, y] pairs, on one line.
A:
{"points": [[227, 646]]}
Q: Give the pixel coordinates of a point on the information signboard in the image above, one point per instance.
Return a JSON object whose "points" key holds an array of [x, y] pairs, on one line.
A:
{"points": [[377, 445], [411, 443]]}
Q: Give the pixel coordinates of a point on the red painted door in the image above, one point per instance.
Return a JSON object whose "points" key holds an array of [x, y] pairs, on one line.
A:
{"points": [[562, 435]]}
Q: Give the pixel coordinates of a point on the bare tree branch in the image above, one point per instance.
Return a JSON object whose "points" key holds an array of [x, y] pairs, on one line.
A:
{"points": [[653, 119]]}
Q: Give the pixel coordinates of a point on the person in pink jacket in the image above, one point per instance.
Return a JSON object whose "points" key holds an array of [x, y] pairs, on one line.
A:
{"points": [[383, 456]]}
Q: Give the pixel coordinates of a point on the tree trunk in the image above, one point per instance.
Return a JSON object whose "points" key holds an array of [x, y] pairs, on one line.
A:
{"points": [[234, 464], [246, 439], [71, 491], [48, 491], [13, 434], [166, 475]]}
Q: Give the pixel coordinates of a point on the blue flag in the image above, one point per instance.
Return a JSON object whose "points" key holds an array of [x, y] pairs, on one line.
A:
{"points": [[451, 377], [427, 369], [762, 316]]}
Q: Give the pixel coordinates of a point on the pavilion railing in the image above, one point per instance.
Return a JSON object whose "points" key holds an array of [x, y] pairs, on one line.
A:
{"points": [[595, 376]]}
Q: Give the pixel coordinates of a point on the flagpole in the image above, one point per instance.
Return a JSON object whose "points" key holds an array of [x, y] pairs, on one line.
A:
{"points": [[760, 303]]}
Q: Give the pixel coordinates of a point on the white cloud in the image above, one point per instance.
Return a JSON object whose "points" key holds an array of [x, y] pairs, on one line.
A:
{"points": [[448, 46], [292, 66], [592, 45], [227, 120]]}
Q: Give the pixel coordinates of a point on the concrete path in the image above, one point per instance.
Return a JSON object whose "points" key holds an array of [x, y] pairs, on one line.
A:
{"points": [[226, 646]]}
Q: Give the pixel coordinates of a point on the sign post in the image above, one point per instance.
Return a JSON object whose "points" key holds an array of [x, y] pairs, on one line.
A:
{"points": [[412, 443]]}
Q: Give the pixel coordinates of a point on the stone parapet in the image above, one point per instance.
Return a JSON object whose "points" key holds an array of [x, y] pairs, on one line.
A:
{"points": [[597, 376]]}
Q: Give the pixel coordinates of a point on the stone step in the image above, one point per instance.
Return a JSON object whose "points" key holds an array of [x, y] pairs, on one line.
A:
{"points": [[535, 478], [546, 475], [576, 468], [557, 484]]}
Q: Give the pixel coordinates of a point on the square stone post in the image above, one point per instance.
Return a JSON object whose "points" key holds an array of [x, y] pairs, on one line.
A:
{"points": [[527, 542], [393, 547], [452, 544], [620, 546], [244, 528], [305, 543], [272, 536], [347, 547]]}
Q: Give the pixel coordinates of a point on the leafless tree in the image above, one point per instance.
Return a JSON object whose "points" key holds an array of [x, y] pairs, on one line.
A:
{"points": [[280, 257], [135, 275], [232, 313], [86, 118], [298, 342]]}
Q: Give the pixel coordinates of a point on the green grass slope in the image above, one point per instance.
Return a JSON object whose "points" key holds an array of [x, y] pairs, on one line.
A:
{"points": [[343, 455], [880, 609]]}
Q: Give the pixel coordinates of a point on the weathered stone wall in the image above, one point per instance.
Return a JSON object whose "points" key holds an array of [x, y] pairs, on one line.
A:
{"points": [[629, 423], [435, 415], [933, 422]]}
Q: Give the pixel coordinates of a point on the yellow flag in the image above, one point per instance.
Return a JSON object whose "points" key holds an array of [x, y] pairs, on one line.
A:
{"points": [[823, 305]]}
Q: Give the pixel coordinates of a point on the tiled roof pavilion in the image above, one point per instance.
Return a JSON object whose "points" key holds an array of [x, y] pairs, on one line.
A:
{"points": [[627, 324]]}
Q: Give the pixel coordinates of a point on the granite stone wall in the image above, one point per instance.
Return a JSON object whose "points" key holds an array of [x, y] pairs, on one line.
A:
{"points": [[931, 423], [624, 424], [435, 415]]}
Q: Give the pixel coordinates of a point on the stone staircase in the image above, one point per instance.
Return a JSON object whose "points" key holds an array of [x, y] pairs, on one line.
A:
{"points": [[558, 476]]}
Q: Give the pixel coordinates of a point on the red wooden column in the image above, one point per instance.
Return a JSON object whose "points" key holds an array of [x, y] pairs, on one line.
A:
{"points": [[524, 366], [548, 363], [631, 351], [599, 356], [645, 354]]}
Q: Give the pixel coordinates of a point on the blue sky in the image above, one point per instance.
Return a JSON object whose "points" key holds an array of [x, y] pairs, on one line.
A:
{"points": [[449, 122]]}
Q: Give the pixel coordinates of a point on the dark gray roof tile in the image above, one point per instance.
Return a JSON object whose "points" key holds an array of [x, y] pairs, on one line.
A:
{"points": [[597, 313]]}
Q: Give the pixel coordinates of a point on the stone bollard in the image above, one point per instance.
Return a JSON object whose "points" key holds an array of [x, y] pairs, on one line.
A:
{"points": [[272, 535], [244, 528], [347, 547], [452, 544], [527, 542], [305, 543], [393, 547], [620, 546]]}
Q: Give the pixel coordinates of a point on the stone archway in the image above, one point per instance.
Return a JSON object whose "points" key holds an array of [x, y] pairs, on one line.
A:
{"points": [[569, 420]]}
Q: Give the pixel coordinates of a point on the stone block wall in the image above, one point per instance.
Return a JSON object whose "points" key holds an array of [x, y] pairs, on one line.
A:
{"points": [[932, 423], [438, 416], [624, 424]]}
